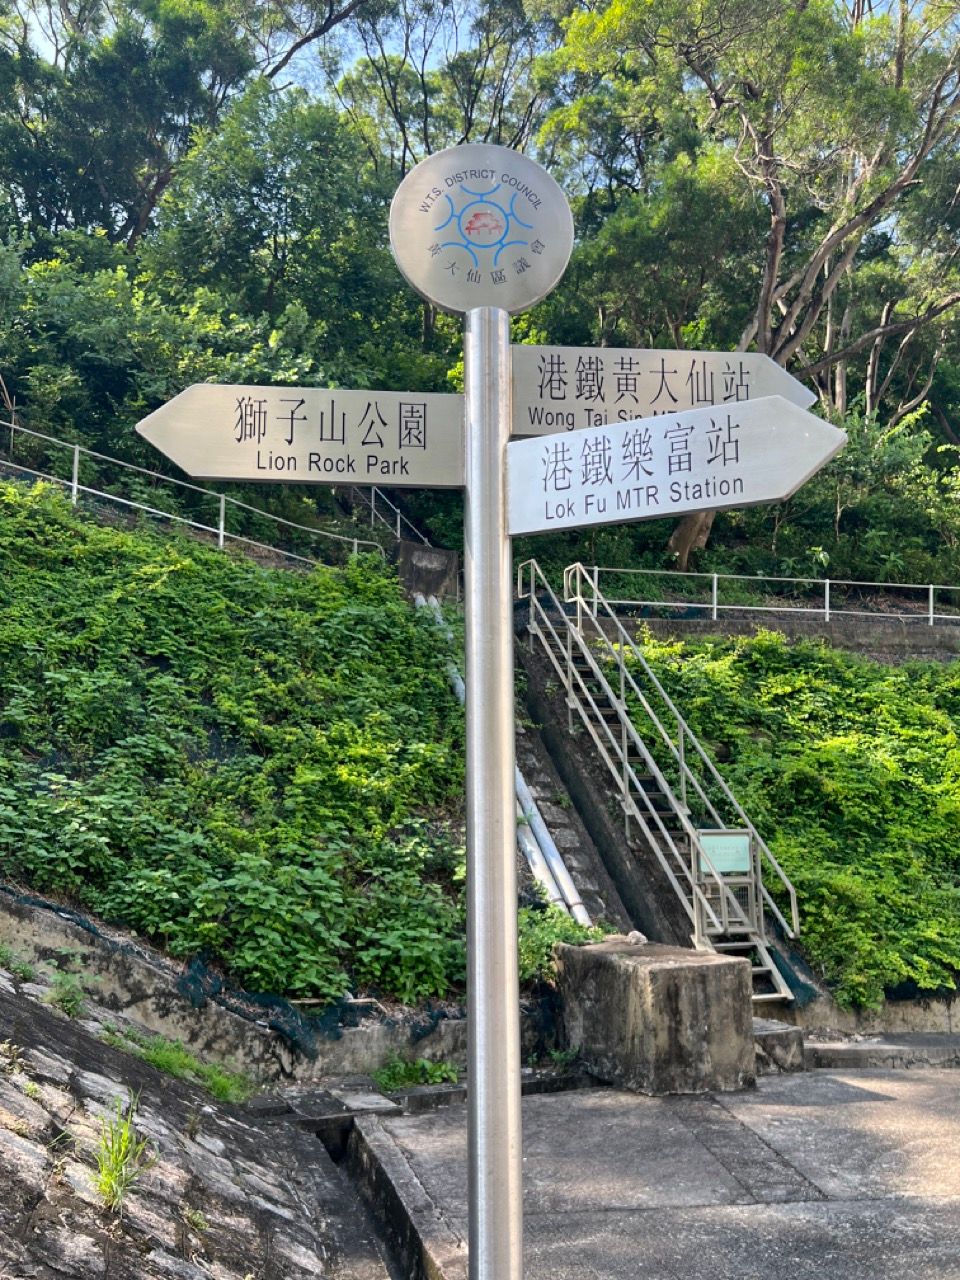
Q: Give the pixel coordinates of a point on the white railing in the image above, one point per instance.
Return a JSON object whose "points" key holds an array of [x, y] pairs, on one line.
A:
{"points": [[714, 593], [12, 434], [696, 771], [385, 513], [689, 870]]}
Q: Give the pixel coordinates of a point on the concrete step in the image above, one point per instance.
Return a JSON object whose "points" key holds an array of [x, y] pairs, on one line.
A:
{"points": [[780, 1046], [909, 1049]]}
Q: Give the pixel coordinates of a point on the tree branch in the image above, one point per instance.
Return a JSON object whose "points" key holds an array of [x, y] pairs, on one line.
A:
{"points": [[890, 330]]}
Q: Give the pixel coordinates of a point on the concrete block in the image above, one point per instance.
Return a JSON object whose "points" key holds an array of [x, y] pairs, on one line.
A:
{"points": [[659, 1019], [430, 570]]}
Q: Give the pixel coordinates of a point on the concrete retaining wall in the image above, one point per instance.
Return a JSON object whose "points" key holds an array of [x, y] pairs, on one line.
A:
{"points": [[140, 985], [885, 640]]}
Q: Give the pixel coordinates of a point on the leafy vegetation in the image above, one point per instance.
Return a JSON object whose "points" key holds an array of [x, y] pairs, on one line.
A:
{"points": [[778, 176], [66, 994], [174, 1058], [250, 764], [851, 772], [540, 929], [15, 964], [400, 1074]]}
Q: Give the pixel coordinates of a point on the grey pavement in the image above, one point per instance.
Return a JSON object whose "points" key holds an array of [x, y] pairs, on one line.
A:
{"points": [[852, 1175]]}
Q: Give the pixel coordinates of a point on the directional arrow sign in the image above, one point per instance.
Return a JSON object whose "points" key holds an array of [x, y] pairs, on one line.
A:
{"points": [[563, 388], [224, 432], [702, 459]]}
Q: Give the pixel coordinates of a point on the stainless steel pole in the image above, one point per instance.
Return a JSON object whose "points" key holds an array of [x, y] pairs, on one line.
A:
{"points": [[493, 1003]]}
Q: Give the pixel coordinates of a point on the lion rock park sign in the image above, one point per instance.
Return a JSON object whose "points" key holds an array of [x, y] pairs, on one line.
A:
{"points": [[297, 434], [481, 226]]}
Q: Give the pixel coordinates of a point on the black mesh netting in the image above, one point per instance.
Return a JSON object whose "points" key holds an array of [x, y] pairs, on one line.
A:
{"points": [[198, 983]]}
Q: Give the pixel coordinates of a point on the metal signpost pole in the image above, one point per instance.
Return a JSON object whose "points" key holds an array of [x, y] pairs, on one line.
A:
{"points": [[493, 1071], [485, 233]]}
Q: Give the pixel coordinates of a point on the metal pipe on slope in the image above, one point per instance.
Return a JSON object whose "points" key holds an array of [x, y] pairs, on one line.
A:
{"points": [[537, 845]]}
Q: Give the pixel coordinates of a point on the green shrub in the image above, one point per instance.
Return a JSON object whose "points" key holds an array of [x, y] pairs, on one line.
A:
{"points": [[851, 772], [399, 1074], [540, 929], [263, 767]]}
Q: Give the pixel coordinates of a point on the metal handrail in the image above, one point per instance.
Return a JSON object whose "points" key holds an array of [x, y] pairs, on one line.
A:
{"points": [[398, 521], [694, 901], [223, 500], [574, 576], [928, 592]]}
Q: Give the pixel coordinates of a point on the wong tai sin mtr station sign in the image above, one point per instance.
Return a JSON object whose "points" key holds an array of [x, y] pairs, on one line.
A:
{"points": [[565, 388]]}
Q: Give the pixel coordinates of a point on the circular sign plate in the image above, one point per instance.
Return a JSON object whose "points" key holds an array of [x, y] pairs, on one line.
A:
{"points": [[480, 226]]}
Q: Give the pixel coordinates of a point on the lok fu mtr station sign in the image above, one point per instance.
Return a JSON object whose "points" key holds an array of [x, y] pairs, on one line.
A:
{"points": [[224, 432], [669, 465]]}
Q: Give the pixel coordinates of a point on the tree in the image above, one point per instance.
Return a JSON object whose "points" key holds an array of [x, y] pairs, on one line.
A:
{"points": [[833, 119], [100, 100], [279, 207], [438, 73]]}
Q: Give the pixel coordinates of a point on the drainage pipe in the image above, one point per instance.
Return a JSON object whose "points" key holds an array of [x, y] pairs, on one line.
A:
{"points": [[537, 862], [536, 843], [551, 853]]}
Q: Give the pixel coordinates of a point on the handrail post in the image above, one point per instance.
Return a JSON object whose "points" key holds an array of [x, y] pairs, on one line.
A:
{"points": [[713, 598], [596, 588], [75, 479], [624, 747], [931, 603], [683, 765], [569, 677], [222, 523], [826, 599], [696, 877]]}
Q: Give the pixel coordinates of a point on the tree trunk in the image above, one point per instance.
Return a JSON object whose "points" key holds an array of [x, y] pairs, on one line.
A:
{"points": [[690, 535]]}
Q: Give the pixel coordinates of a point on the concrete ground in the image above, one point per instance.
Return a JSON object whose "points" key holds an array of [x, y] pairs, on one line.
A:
{"points": [[826, 1175]]}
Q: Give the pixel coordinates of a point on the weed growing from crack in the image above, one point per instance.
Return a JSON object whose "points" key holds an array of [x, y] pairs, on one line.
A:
{"points": [[174, 1058], [121, 1155], [66, 994], [15, 964], [195, 1220], [9, 1057], [399, 1074]]}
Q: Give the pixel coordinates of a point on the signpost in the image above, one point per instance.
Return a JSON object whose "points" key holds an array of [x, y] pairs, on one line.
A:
{"points": [[563, 388], [484, 232], [725, 456]]}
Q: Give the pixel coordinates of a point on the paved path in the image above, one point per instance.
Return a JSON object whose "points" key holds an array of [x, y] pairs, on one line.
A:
{"points": [[828, 1175]]}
